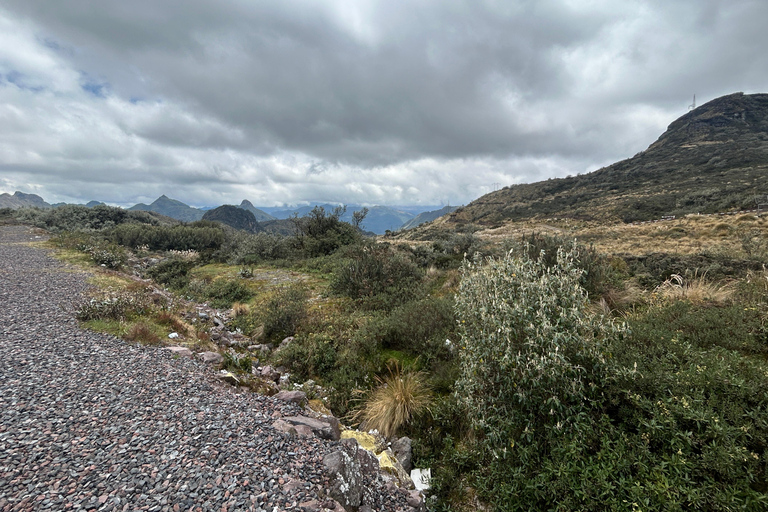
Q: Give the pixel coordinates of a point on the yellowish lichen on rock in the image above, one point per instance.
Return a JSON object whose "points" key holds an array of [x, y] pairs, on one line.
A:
{"points": [[364, 439]]}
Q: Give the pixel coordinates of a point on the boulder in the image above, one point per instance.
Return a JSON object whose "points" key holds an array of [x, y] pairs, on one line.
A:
{"points": [[287, 341], [346, 479], [297, 397], [390, 464], [210, 357], [403, 452], [269, 373], [416, 500], [179, 351], [327, 428]]}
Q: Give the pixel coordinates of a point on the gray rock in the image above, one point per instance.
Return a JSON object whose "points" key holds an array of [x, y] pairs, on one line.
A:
{"points": [[324, 429], [284, 426], [403, 452], [287, 341], [297, 397], [346, 479], [229, 378], [211, 357], [269, 373], [416, 500], [179, 351]]}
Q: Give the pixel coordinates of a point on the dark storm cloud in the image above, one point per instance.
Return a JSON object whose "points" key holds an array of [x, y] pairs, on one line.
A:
{"points": [[347, 101]]}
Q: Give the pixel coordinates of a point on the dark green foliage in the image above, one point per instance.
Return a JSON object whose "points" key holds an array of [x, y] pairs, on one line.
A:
{"points": [[222, 293], [102, 252], [246, 249], [598, 273], [172, 273], [198, 236], [377, 276], [733, 327], [651, 270], [237, 363], [320, 232], [678, 421], [285, 311], [82, 218], [419, 327]]}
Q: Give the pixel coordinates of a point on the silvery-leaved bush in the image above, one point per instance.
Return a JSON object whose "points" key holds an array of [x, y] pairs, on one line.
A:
{"points": [[530, 353]]}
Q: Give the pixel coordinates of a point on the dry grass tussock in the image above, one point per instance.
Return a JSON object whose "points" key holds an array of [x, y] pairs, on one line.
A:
{"points": [[696, 290], [396, 401], [239, 308]]}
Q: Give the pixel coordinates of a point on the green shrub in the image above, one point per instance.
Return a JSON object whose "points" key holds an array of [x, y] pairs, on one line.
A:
{"points": [[201, 237], [419, 327], [532, 371], [569, 413], [173, 273], [377, 276], [114, 306], [107, 254], [222, 293], [320, 233], [531, 356], [285, 311], [81, 218], [237, 363]]}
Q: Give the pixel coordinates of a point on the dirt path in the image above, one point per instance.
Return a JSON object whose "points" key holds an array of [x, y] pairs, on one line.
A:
{"points": [[89, 422]]}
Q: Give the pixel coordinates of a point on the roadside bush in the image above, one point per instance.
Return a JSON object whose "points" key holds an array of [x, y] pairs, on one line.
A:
{"points": [[237, 363], [525, 329], [419, 327], [222, 293], [107, 254], [81, 218], [570, 413], [246, 249], [532, 372], [598, 273], [114, 306], [199, 236], [173, 273], [285, 311], [377, 276]]}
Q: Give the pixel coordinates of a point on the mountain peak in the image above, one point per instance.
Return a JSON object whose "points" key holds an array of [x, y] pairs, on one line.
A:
{"points": [[712, 159]]}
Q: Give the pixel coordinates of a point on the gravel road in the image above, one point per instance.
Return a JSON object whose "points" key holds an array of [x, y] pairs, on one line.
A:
{"points": [[90, 422]]}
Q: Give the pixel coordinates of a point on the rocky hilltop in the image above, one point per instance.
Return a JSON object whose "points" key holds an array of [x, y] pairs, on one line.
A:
{"points": [[22, 200], [714, 158]]}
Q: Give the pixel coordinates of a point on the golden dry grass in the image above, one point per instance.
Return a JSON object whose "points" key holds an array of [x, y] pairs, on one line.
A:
{"points": [[691, 234], [399, 397], [696, 290]]}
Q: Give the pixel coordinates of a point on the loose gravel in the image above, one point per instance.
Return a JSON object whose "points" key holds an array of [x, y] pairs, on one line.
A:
{"points": [[90, 422]]}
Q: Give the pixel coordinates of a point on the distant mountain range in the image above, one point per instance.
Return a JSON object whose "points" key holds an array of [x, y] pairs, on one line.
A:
{"points": [[378, 220]]}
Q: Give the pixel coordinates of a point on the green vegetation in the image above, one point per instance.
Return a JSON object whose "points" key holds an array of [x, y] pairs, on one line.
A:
{"points": [[538, 374]]}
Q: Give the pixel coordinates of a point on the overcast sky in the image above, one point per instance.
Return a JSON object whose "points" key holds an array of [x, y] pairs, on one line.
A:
{"points": [[367, 102]]}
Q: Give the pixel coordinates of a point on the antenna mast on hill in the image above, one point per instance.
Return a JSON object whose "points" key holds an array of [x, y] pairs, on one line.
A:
{"points": [[692, 105]]}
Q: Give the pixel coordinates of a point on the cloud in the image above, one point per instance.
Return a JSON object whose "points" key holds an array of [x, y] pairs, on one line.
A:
{"points": [[367, 102]]}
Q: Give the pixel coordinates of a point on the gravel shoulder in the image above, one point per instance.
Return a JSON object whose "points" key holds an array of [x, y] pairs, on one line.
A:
{"points": [[90, 422]]}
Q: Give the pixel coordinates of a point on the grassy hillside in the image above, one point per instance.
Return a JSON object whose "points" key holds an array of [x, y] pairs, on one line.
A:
{"points": [[714, 158]]}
